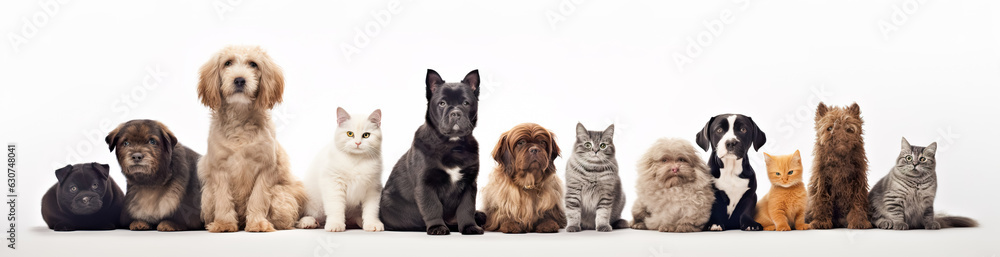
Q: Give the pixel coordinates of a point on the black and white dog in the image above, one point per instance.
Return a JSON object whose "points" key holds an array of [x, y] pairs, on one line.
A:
{"points": [[730, 137], [433, 186]]}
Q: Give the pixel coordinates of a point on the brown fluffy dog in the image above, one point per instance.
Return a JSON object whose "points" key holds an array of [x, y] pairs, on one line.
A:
{"points": [[524, 193], [246, 175], [162, 190], [838, 188]]}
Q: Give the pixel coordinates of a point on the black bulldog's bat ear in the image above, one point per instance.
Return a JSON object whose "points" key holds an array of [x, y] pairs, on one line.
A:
{"points": [[702, 137], [433, 80], [102, 169], [61, 173], [472, 79]]}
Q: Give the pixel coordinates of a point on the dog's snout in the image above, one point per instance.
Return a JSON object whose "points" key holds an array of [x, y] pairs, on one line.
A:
{"points": [[455, 114], [533, 150], [85, 199], [240, 83], [731, 144], [137, 157]]}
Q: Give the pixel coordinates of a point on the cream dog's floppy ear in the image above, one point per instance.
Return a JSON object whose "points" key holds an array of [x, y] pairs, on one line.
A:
{"points": [[209, 83], [272, 82]]}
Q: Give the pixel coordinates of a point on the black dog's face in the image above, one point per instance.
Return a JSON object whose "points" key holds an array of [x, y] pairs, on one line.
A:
{"points": [[452, 107], [144, 150], [82, 187], [730, 134]]}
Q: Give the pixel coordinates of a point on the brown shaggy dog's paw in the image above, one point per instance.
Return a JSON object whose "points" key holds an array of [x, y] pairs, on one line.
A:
{"points": [[816, 224], [167, 226], [511, 227], [548, 226], [219, 226], [259, 226], [139, 225]]}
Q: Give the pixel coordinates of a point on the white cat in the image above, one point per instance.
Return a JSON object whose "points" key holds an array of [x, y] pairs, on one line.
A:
{"points": [[344, 181]]}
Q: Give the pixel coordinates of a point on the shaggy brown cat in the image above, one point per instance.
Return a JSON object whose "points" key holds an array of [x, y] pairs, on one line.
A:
{"points": [[838, 189]]}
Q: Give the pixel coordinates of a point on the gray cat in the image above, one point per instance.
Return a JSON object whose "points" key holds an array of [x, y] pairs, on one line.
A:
{"points": [[904, 199], [594, 196]]}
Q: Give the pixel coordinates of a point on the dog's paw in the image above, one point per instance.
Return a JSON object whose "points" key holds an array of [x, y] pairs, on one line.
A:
{"points": [[167, 226], [548, 226], [259, 226], [307, 222], [438, 230], [511, 227], [480, 218], [335, 227], [472, 230], [373, 226], [667, 228], [826, 224], [687, 228], [932, 225], [604, 228], [866, 225], [752, 227], [139, 225], [636, 225], [717, 227], [573, 228], [219, 226]]}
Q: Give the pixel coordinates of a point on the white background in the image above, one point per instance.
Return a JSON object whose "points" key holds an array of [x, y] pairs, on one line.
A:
{"points": [[926, 70]]}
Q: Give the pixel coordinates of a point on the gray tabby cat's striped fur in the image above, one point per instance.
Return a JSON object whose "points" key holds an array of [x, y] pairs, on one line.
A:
{"points": [[594, 196], [904, 199]]}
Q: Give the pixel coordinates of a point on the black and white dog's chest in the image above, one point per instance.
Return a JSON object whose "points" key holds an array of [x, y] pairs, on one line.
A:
{"points": [[730, 182]]}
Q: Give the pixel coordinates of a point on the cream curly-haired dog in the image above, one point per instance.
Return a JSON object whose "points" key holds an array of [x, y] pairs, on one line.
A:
{"points": [[245, 173], [674, 189]]}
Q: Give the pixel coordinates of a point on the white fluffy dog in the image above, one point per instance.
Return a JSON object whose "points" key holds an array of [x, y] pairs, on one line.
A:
{"points": [[674, 189]]}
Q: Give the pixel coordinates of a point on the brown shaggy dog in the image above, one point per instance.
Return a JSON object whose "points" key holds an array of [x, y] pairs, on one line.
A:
{"points": [[524, 193], [246, 175], [838, 188]]}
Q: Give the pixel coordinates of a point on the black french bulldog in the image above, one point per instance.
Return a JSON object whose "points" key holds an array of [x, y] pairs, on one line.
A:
{"points": [[85, 198], [433, 186]]}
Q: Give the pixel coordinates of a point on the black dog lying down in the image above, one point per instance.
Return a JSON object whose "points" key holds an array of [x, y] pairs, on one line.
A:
{"points": [[85, 198], [433, 186]]}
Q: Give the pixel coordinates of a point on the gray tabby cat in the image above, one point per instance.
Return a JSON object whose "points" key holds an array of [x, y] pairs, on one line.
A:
{"points": [[594, 196], [904, 199]]}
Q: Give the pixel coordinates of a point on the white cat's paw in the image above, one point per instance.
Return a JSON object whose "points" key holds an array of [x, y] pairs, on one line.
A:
{"points": [[335, 227], [307, 222], [716, 228], [374, 226]]}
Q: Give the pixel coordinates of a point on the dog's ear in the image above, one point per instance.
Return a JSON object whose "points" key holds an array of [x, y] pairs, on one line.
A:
{"points": [[758, 135], [61, 173], [433, 81], [169, 140], [854, 110], [502, 154], [102, 169], [821, 110], [702, 137], [209, 83], [342, 116], [472, 79], [272, 83], [553, 147], [112, 138], [376, 117]]}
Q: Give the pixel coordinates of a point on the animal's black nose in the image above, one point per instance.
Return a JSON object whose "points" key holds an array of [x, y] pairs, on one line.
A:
{"points": [[240, 82], [85, 199], [137, 157], [455, 114], [731, 144]]}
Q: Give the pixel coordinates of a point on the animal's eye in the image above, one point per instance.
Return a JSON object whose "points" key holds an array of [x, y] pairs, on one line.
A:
{"points": [[543, 143], [588, 145], [718, 130], [94, 186], [681, 160], [72, 189], [350, 134], [790, 172], [829, 128], [521, 142], [152, 141], [442, 104], [366, 135], [743, 130], [125, 143], [777, 173], [603, 145], [228, 63], [253, 64], [466, 103], [909, 158], [664, 160], [922, 159], [850, 130]]}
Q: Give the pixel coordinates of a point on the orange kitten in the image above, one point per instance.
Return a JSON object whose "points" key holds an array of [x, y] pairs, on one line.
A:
{"points": [[785, 204]]}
